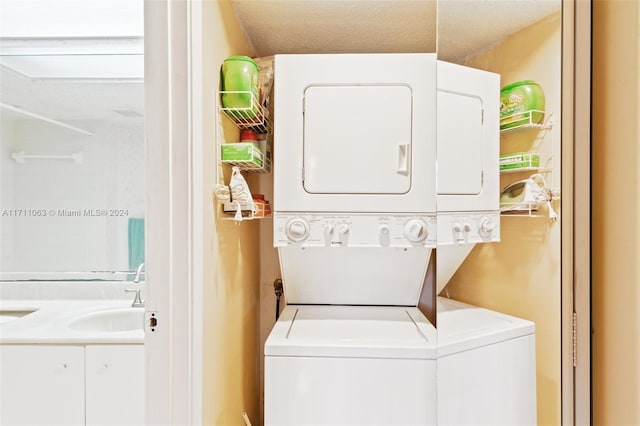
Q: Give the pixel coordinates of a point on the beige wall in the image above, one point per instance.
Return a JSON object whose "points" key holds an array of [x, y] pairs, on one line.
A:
{"points": [[520, 275], [231, 299], [616, 213]]}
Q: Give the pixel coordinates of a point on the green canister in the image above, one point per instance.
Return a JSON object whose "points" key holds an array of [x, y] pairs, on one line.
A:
{"points": [[522, 103], [240, 85]]}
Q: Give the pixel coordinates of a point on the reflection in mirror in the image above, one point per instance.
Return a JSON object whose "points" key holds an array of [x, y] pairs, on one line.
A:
{"points": [[72, 153], [520, 275], [71, 212]]}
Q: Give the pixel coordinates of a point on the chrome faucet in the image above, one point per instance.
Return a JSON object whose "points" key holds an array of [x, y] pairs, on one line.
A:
{"points": [[136, 278], [137, 300]]}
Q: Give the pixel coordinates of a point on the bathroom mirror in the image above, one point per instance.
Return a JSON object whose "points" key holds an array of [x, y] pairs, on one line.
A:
{"points": [[71, 152], [521, 275]]}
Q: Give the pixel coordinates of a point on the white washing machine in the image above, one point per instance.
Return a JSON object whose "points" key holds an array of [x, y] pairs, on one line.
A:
{"points": [[350, 365], [486, 367], [355, 223]]}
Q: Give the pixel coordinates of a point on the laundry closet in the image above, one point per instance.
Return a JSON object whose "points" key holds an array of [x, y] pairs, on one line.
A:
{"points": [[518, 276]]}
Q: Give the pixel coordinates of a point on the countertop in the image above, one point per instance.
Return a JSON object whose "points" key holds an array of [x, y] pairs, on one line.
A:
{"points": [[35, 318]]}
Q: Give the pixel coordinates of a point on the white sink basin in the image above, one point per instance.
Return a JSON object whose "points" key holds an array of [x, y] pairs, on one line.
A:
{"points": [[112, 320]]}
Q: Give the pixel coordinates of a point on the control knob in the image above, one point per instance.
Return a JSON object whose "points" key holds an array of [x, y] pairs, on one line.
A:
{"points": [[329, 230], [297, 230], [457, 230], [343, 229], [486, 228], [415, 230]]}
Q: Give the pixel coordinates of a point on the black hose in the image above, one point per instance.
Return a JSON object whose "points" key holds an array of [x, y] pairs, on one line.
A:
{"points": [[279, 290]]}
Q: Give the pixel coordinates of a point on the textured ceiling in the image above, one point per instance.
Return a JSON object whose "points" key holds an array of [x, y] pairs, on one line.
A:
{"points": [[468, 27], [311, 26], [455, 29]]}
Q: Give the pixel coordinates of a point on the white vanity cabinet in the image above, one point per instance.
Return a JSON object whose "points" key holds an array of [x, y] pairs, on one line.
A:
{"points": [[114, 385], [41, 385], [71, 385]]}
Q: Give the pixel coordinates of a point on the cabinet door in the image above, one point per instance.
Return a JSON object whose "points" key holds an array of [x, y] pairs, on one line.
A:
{"points": [[115, 385], [41, 385]]}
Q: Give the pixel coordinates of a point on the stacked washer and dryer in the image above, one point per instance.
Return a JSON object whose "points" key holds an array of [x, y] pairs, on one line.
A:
{"points": [[359, 207]]}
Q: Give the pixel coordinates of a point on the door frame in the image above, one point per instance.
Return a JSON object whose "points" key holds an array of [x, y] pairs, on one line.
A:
{"points": [[576, 217], [173, 228]]}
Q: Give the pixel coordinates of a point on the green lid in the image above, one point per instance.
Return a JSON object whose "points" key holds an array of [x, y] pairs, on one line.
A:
{"points": [[518, 83], [241, 58]]}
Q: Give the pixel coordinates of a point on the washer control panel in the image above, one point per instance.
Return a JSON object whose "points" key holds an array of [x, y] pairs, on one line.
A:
{"points": [[326, 230], [460, 228]]}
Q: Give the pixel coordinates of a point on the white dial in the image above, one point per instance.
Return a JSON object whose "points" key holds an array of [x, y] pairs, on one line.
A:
{"points": [[343, 229], [487, 226], [384, 230], [415, 230], [297, 230], [328, 230]]}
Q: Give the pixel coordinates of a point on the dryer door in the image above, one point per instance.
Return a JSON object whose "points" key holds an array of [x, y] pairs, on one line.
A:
{"points": [[357, 139], [354, 133], [460, 168], [468, 139]]}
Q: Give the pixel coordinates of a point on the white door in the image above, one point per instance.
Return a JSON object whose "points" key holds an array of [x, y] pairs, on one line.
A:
{"points": [[460, 143], [357, 139], [354, 133], [468, 142]]}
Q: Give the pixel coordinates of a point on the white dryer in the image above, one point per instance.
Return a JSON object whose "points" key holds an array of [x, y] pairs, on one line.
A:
{"points": [[467, 157]]}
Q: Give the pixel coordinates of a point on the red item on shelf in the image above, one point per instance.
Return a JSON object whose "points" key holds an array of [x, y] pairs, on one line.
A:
{"points": [[248, 135], [263, 208]]}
